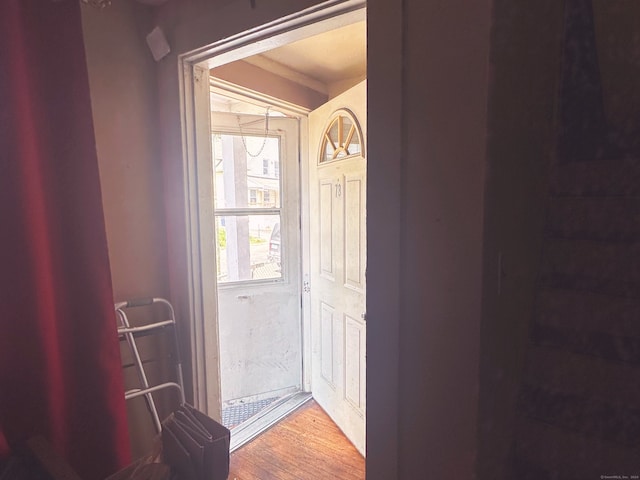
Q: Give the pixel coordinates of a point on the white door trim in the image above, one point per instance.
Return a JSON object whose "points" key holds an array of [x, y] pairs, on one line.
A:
{"points": [[198, 175]]}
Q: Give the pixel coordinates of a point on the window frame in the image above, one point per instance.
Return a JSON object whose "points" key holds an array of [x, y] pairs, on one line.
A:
{"points": [[254, 210]]}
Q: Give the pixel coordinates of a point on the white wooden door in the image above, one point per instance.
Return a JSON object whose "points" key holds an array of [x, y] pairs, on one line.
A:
{"points": [[338, 259], [256, 210]]}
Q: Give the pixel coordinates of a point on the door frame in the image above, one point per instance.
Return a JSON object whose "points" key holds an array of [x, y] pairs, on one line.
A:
{"points": [[196, 132], [386, 72]]}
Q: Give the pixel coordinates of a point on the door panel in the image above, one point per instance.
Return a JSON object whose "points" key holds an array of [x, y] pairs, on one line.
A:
{"points": [[354, 231], [326, 229], [353, 362], [326, 353], [256, 185], [338, 262]]}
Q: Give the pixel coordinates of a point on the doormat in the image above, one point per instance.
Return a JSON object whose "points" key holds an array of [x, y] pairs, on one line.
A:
{"points": [[234, 415]]}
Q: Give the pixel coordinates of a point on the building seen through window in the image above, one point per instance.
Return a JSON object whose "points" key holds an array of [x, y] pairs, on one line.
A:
{"points": [[247, 204]]}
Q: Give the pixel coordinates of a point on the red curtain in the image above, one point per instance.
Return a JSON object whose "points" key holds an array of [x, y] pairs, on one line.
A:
{"points": [[60, 372]]}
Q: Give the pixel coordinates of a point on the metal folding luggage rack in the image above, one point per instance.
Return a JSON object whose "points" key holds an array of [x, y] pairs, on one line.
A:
{"points": [[130, 334]]}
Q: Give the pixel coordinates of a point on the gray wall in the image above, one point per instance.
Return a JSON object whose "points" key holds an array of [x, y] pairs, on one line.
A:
{"points": [[123, 100], [444, 99], [525, 52], [616, 24]]}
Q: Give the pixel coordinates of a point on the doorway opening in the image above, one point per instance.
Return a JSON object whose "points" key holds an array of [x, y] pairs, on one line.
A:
{"points": [[281, 224]]}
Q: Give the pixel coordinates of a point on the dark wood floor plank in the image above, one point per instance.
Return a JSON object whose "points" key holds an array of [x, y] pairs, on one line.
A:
{"points": [[324, 451], [306, 445]]}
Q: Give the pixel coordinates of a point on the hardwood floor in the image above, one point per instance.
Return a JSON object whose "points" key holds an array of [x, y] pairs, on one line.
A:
{"points": [[306, 445]]}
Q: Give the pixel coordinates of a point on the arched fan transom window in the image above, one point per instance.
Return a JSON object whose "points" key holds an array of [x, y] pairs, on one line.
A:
{"points": [[342, 138]]}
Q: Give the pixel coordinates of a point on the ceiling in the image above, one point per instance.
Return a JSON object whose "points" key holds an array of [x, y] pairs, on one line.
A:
{"points": [[327, 58]]}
